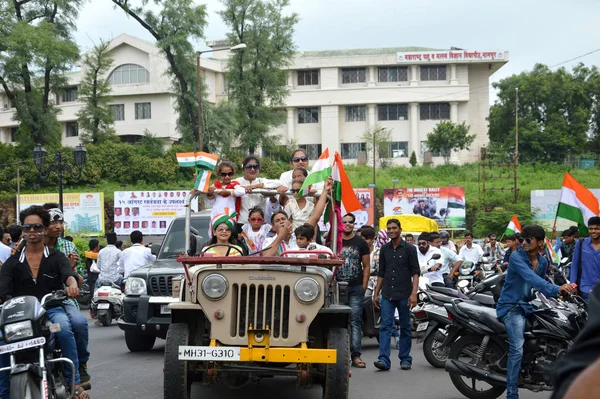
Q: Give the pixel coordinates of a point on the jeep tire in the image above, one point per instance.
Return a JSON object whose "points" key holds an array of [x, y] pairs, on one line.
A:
{"points": [[177, 385], [138, 342], [337, 376]]}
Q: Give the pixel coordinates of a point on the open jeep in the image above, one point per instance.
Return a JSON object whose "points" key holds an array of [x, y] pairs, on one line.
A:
{"points": [[240, 319]]}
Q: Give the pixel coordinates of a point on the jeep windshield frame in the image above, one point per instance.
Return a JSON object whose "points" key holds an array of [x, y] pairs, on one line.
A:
{"points": [[171, 247]]}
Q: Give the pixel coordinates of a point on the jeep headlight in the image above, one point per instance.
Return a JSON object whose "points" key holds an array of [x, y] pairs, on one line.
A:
{"points": [[18, 331], [307, 289], [214, 286], [135, 286]]}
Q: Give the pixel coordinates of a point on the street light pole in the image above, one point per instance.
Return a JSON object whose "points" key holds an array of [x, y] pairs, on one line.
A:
{"points": [[240, 46]]}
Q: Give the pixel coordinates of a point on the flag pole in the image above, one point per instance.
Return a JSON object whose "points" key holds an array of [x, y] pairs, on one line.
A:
{"points": [[554, 227]]}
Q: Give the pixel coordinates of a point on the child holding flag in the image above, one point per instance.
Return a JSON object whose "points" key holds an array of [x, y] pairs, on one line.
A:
{"points": [[225, 192]]}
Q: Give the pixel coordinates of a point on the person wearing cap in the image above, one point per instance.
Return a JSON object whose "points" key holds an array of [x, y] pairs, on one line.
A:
{"points": [[223, 238]]}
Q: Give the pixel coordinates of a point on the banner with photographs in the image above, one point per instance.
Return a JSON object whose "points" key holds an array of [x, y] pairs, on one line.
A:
{"points": [[366, 196], [150, 212], [445, 205], [84, 212]]}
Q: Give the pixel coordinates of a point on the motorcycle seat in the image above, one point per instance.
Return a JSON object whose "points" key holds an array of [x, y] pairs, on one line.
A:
{"points": [[444, 290], [483, 314]]}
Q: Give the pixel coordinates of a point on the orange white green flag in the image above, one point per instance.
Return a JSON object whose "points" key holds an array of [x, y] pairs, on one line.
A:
{"points": [[342, 188], [514, 226], [554, 256], [320, 171], [577, 203]]}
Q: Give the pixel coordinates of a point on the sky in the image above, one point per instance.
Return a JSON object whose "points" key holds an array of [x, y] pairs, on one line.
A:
{"points": [[532, 31]]}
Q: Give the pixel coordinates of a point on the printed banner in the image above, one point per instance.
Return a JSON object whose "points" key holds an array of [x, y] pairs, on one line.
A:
{"points": [[462, 56], [366, 196], [150, 212], [445, 205], [543, 208], [84, 212]]}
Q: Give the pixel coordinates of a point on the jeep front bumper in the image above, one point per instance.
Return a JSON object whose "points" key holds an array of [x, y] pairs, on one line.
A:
{"points": [[146, 315]]}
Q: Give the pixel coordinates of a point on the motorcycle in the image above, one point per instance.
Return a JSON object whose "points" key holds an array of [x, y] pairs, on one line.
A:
{"points": [[487, 269], [482, 338], [107, 303], [37, 364]]}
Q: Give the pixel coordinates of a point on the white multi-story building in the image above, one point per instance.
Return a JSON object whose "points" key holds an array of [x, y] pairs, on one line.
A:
{"points": [[334, 96]]}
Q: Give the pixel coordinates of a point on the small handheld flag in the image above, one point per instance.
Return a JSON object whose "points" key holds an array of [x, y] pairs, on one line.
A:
{"points": [[204, 162]]}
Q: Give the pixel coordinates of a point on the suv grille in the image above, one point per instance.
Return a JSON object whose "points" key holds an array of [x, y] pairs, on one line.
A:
{"points": [[261, 306], [161, 285]]}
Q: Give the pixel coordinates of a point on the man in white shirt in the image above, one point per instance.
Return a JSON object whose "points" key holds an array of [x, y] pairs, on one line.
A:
{"points": [[251, 181], [470, 252], [108, 261], [135, 256], [425, 252], [4, 249], [450, 260]]}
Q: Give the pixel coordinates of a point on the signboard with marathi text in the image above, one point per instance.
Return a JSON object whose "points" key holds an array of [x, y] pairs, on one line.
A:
{"points": [[462, 56], [84, 212], [445, 205], [150, 212]]}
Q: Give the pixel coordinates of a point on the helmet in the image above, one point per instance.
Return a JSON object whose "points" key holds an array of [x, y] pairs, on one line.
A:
{"points": [[444, 234]]}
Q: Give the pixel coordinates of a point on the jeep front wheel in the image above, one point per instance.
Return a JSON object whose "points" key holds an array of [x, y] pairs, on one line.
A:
{"points": [[337, 376], [138, 342], [177, 385]]}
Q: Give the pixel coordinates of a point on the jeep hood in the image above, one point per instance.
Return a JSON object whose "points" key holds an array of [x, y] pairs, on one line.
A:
{"points": [[159, 267]]}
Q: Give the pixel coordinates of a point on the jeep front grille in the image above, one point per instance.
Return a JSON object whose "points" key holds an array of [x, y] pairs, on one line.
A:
{"points": [[161, 285], [260, 306]]}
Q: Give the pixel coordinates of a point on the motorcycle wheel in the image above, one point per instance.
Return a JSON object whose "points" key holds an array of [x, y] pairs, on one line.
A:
{"points": [[466, 347], [24, 386], [106, 318], [433, 351]]}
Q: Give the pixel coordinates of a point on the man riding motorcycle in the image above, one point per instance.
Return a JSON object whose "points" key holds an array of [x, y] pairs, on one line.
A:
{"points": [[526, 270]]}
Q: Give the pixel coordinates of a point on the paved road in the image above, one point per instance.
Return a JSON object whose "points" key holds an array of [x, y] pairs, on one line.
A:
{"points": [[118, 373]]}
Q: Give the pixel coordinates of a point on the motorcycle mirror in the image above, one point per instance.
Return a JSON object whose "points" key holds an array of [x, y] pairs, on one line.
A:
{"points": [[486, 254], [436, 256], [463, 284], [564, 260]]}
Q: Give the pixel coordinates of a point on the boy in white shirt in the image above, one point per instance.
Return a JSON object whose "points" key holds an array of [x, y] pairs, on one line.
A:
{"points": [[305, 235]]}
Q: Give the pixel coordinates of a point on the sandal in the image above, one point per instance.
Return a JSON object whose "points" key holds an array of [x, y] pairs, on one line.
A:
{"points": [[358, 363], [80, 393]]}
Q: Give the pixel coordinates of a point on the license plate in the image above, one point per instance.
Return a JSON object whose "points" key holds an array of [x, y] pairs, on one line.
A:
{"points": [[422, 326], [103, 306], [8, 348], [164, 309], [210, 353], [465, 277]]}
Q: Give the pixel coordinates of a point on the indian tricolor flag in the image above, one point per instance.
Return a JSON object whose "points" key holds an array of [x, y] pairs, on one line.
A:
{"points": [[342, 189], [577, 203], [203, 181], [554, 257], [513, 226], [186, 159], [202, 160], [320, 171]]}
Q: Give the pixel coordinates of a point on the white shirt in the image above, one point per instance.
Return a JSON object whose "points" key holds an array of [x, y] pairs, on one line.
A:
{"points": [[449, 246], [135, 257], [423, 258], [298, 216], [449, 258], [473, 254], [249, 201], [4, 252], [108, 263], [312, 247], [255, 240], [284, 246], [286, 180]]}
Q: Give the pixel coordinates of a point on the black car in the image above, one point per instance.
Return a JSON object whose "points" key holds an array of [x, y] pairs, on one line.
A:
{"points": [[146, 313]]}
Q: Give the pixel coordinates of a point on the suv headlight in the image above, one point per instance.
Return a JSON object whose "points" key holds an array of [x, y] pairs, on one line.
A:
{"points": [[135, 286], [307, 289], [18, 331], [214, 286]]}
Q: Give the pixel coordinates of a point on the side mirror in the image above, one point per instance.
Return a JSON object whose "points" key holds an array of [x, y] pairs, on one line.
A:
{"points": [[486, 254], [564, 260], [155, 249], [195, 242], [463, 284], [436, 256]]}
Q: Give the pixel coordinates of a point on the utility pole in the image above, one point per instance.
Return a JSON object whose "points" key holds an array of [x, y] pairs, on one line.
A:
{"points": [[199, 89], [516, 141], [18, 190]]}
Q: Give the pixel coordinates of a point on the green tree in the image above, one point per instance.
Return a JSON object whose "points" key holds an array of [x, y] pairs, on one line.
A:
{"points": [[381, 138], [447, 137], [220, 126], [555, 110], [413, 159], [96, 116], [173, 25], [36, 50], [257, 76]]}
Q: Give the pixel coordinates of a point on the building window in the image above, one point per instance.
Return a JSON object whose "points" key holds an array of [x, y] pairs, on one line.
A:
{"points": [[129, 74], [313, 151], [351, 150], [393, 74], [309, 77], [72, 129], [118, 112], [354, 75], [435, 111], [392, 112], [356, 114], [433, 72], [70, 94], [308, 115], [396, 149], [143, 111]]}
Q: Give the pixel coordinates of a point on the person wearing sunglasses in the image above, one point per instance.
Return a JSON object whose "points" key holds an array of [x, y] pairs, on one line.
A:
{"points": [[299, 159], [526, 271], [223, 227], [494, 249], [225, 192], [256, 231], [37, 270], [251, 181]]}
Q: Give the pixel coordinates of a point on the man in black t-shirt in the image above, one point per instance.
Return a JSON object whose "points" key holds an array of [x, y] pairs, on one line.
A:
{"points": [[355, 271]]}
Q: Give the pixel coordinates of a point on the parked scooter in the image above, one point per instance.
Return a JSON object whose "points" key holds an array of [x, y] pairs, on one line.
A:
{"points": [[107, 303]]}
